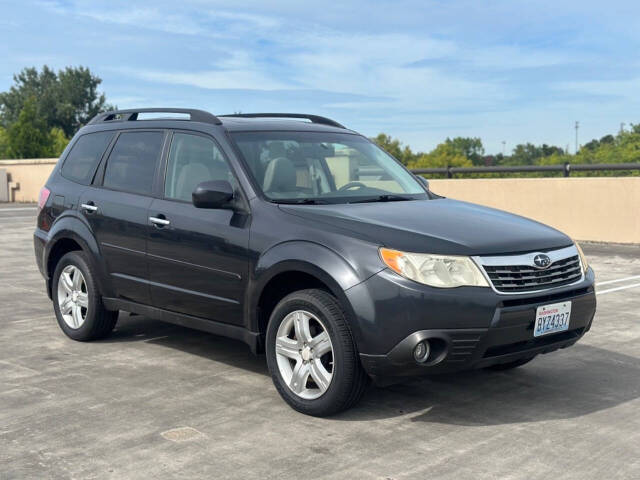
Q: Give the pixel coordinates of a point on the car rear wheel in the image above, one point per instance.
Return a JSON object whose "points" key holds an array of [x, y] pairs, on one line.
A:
{"points": [[311, 354], [77, 301]]}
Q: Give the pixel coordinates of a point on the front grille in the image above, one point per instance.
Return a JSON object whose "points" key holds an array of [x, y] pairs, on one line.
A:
{"points": [[525, 278]]}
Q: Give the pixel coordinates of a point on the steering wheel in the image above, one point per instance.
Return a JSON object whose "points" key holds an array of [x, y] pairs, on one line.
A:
{"points": [[352, 186]]}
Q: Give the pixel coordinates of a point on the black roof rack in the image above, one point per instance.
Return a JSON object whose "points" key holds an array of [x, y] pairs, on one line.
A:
{"points": [[132, 114], [312, 118]]}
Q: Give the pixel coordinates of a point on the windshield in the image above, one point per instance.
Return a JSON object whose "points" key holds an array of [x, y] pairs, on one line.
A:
{"points": [[318, 167]]}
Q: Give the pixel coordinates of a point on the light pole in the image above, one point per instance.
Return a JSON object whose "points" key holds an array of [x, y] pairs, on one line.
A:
{"points": [[577, 126], [503, 144]]}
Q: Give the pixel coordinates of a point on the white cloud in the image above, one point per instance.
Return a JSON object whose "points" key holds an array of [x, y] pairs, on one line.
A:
{"points": [[410, 66], [201, 20], [622, 88], [210, 79], [128, 101], [509, 56]]}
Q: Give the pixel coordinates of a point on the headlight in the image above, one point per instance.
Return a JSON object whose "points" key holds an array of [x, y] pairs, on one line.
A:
{"points": [[443, 271], [583, 259]]}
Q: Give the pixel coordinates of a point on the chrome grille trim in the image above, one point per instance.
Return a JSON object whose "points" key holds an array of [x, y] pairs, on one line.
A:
{"points": [[517, 274]]}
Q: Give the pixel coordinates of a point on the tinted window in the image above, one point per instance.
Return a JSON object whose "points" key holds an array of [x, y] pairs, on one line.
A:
{"points": [[81, 162], [193, 159], [132, 162]]}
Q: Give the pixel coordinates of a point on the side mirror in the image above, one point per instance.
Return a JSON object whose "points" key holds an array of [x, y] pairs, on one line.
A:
{"points": [[423, 181], [212, 194]]}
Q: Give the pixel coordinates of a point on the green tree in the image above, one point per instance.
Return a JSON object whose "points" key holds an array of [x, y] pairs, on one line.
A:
{"points": [[621, 148], [58, 141], [471, 148], [595, 144], [4, 143], [394, 148], [29, 137], [547, 150], [556, 158], [67, 99], [445, 154], [524, 154]]}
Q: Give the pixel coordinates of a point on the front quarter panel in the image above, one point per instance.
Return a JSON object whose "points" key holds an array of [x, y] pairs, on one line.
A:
{"points": [[300, 256], [283, 242]]}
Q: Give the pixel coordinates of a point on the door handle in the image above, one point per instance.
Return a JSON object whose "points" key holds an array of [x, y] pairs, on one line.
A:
{"points": [[89, 207], [160, 222]]}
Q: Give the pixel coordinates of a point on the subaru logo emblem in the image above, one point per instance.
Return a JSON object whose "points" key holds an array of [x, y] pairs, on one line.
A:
{"points": [[541, 260]]}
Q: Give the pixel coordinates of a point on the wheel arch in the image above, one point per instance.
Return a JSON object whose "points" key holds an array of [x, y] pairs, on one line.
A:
{"points": [[71, 234], [294, 266]]}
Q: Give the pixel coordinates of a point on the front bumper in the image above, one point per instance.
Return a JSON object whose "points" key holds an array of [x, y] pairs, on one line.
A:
{"points": [[468, 327]]}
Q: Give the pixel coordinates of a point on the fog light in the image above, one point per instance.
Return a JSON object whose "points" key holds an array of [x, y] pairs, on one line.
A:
{"points": [[421, 351]]}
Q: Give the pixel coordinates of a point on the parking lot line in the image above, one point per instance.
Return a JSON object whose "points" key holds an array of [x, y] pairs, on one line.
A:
{"points": [[17, 209], [624, 287], [634, 277]]}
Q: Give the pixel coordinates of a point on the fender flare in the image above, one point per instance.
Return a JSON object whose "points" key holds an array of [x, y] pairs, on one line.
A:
{"points": [[301, 256], [74, 228]]}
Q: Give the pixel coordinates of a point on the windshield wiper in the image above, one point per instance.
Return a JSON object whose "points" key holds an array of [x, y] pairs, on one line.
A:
{"points": [[384, 198], [301, 201]]}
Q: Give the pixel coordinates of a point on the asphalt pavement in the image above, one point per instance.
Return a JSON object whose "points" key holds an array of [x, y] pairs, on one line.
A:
{"points": [[160, 401]]}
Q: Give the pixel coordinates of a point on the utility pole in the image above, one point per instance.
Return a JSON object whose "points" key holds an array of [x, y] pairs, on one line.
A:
{"points": [[577, 127], [503, 144], [621, 127]]}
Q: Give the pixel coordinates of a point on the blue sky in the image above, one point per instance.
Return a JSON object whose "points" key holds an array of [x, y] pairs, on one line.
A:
{"points": [[503, 70]]}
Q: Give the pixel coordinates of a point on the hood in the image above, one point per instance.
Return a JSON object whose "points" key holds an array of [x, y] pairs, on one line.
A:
{"points": [[442, 226]]}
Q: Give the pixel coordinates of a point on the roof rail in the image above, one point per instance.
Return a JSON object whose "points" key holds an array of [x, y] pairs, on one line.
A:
{"points": [[312, 118], [132, 114]]}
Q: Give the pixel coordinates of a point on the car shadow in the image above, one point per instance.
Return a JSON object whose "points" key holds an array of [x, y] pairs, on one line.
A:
{"points": [[135, 328], [565, 384]]}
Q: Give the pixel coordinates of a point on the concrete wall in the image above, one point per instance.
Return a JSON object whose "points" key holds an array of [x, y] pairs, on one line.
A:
{"points": [[26, 177], [4, 185], [604, 209]]}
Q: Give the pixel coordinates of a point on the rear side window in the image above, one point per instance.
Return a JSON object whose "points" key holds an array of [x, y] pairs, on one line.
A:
{"points": [[83, 158], [132, 162], [193, 159]]}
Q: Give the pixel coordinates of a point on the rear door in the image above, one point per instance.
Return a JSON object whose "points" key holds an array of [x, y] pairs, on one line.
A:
{"points": [[197, 257], [116, 207], [78, 168]]}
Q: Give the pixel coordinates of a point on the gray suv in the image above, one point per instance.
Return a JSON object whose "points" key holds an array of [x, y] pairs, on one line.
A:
{"points": [[304, 240]]}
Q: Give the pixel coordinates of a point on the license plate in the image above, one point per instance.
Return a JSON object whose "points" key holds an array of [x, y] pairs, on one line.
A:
{"points": [[552, 318]]}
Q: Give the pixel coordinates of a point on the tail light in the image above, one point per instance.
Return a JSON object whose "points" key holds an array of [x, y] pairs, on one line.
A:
{"points": [[44, 221], [43, 197]]}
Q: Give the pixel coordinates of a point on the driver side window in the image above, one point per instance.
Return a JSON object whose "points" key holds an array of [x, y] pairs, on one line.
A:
{"points": [[193, 159]]}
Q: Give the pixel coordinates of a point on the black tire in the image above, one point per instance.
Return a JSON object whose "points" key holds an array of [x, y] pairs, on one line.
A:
{"points": [[98, 322], [499, 367], [349, 380]]}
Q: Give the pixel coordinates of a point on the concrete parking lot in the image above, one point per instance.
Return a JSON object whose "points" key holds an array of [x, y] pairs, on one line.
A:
{"points": [[160, 401]]}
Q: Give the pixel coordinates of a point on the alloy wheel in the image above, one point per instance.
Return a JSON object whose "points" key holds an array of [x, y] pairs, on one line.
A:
{"points": [[73, 299], [304, 354]]}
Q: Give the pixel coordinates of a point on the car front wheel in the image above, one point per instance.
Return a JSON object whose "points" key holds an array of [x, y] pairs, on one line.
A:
{"points": [[311, 354]]}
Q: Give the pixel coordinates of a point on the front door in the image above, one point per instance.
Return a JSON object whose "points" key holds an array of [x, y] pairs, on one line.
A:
{"points": [[197, 257]]}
